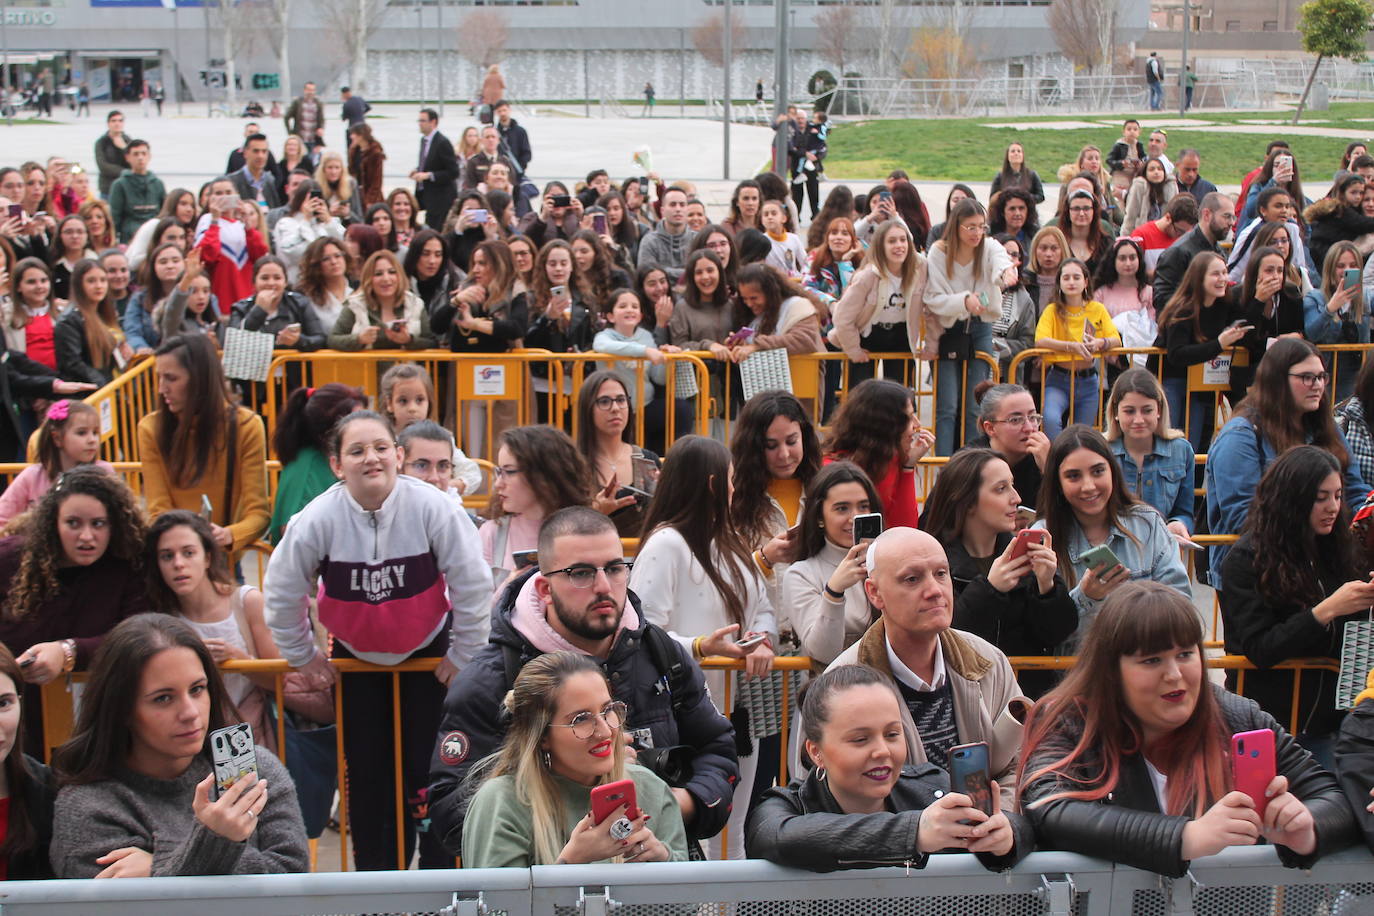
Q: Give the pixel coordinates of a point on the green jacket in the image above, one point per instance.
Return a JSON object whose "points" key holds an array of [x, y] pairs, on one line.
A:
{"points": [[135, 199], [301, 481], [498, 831]]}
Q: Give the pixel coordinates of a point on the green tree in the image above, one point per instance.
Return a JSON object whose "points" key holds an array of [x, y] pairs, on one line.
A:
{"points": [[1332, 28]]}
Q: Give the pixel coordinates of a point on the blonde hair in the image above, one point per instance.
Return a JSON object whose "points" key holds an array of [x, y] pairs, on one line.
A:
{"points": [[876, 256], [532, 702], [346, 186]]}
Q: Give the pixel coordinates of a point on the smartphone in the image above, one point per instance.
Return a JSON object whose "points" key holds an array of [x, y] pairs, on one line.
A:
{"points": [[524, 559], [1352, 278], [1099, 558], [1252, 765], [750, 642], [606, 799], [557, 292], [968, 775], [562, 200], [230, 203], [478, 216], [207, 510], [397, 326], [1025, 516], [644, 185], [315, 195], [293, 326], [16, 211], [1238, 323], [232, 756], [983, 299], [867, 526], [884, 195], [599, 223], [1284, 162], [1024, 538]]}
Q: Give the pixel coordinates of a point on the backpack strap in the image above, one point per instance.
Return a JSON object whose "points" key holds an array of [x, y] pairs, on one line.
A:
{"points": [[669, 664]]}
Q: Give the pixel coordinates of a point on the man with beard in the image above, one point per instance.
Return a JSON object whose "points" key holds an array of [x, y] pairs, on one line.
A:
{"points": [[578, 600]]}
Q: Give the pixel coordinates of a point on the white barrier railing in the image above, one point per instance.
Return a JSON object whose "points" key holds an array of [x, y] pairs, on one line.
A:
{"points": [[1243, 881]]}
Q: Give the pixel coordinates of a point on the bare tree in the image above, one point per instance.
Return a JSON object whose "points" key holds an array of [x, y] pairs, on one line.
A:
{"points": [[837, 34], [482, 37], [239, 25], [352, 22], [278, 17], [1085, 31], [709, 37]]}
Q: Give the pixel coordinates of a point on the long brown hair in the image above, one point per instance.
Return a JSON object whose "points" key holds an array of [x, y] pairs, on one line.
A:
{"points": [[1188, 301], [955, 493], [311, 281], [1269, 404], [100, 318], [868, 427], [1139, 618], [693, 498], [552, 466], [501, 267], [1054, 508], [750, 507], [101, 739], [189, 443], [160, 595]]}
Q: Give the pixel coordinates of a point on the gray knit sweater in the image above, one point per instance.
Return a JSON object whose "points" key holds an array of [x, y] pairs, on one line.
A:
{"points": [[155, 815]]}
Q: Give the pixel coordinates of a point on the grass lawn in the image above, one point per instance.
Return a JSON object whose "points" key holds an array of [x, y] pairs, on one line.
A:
{"points": [[961, 149]]}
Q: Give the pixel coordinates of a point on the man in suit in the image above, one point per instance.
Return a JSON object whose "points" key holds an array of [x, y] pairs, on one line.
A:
{"points": [[255, 180], [436, 176]]}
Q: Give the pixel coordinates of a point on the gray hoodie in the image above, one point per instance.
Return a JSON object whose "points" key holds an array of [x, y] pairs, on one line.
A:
{"points": [[660, 248]]}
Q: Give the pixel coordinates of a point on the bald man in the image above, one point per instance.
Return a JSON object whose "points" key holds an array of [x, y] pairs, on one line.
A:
{"points": [[958, 688]]}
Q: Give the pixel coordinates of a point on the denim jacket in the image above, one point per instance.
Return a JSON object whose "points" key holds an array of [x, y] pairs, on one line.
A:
{"points": [[1166, 480], [1142, 544]]}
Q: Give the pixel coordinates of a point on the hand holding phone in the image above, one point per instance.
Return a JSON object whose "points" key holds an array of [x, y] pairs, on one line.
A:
{"points": [[867, 526], [232, 756], [1024, 538], [1352, 278], [607, 798], [1253, 765], [751, 640], [968, 775]]}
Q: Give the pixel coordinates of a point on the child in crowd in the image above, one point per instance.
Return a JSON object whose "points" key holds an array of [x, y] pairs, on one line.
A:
{"points": [[1078, 328], [69, 437], [789, 252], [408, 396], [625, 336]]}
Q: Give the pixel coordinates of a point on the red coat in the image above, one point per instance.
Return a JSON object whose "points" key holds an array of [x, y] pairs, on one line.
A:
{"points": [[230, 272]]}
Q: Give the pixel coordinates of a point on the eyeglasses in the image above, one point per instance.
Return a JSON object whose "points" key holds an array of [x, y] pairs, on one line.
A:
{"points": [[972, 228], [1311, 379], [1080, 209], [1022, 419], [606, 402], [583, 724], [582, 575], [423, 465], [500, 472]]}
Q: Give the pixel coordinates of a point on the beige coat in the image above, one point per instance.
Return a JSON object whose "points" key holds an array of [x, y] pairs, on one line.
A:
{"points": [[853, 314]]}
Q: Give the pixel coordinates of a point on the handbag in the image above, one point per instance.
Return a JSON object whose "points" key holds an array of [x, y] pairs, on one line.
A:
{"points": [[956, 342]]}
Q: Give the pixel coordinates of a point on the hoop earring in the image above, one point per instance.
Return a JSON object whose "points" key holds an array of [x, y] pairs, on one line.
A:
{"points": [[820, 774], [548, 762]]}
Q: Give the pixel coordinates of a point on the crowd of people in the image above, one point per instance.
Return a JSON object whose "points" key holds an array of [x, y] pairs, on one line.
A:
{"points": [[550, 663]]}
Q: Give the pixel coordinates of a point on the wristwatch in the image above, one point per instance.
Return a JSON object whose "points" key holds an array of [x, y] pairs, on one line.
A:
{"points": [[68, 655]]}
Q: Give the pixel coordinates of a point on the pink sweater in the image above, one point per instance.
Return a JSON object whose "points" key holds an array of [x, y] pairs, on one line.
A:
{"points": [[28, 488]]}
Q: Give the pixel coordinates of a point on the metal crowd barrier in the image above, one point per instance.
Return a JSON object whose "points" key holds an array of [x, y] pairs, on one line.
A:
{"points": [[58, 711], [1241, 880]]}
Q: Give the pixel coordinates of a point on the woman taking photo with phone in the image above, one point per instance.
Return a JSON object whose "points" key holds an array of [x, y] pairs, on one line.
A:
{"points": [[1128, 759], [307, 218], [1335, 312], [1006, 587], [564, 740], [823, 589], [1287, 405], [1156, 460], [139, 795], [1104, 536], [862, 805], [1292, 580], [1198, 323], [695, 578]]}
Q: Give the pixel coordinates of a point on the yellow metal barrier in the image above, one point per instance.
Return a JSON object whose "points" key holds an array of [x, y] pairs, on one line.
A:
{"points": [[57, 706]]}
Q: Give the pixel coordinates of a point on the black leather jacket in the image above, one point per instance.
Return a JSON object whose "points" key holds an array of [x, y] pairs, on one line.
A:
{"points": [[802, 826], [1355, 764], [1127, 827]]}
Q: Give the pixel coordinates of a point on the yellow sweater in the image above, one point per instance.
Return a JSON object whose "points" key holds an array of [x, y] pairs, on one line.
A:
{"points": [[249, 514]]}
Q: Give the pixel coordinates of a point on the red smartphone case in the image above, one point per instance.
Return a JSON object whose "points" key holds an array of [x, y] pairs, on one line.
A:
{"points": [[1252, 764], [607, 798]]}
